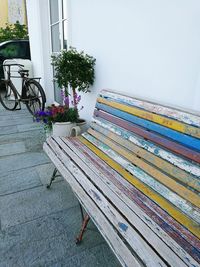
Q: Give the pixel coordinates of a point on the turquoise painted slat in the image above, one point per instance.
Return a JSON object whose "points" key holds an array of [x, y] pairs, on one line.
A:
{"points": [[176, 200], [184, 139], [170, 157], [176, 114]]}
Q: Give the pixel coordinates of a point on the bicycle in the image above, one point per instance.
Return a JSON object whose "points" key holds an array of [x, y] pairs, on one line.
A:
{"points": [[32, 93]]}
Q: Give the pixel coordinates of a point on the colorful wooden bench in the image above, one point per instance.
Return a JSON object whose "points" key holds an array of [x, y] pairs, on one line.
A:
{"points": [[136, 172]]}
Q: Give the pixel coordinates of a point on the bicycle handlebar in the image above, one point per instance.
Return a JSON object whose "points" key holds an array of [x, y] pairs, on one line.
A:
{"points": [[15, 64]]}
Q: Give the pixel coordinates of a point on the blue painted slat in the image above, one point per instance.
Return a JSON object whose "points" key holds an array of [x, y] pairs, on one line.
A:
{"points": [[184, 139]]}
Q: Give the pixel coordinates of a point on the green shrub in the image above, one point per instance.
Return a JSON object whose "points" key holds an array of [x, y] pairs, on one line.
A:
{"points": [[13, 31]]}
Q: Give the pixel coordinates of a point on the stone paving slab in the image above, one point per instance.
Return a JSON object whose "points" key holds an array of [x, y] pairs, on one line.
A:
{"points": [[12, 148], [33, 140], [37, 134], [16, 121], [50, 241], [5, 130], [14, 162], [38, 226], [28, 127], [45, 172], [19, 180], [34, 203]]}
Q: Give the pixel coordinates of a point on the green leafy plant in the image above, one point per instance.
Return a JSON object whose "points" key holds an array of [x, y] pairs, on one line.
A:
{"points": [[13, 31], [74, 69]]}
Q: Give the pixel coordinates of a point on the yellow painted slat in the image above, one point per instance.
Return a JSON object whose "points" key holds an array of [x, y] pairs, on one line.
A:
{"points": [[165, 166], [169, 123], [162, 202], [159, 176]]}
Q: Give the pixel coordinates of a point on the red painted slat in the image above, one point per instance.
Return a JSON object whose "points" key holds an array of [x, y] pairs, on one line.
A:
{"points": [[157, 139], [181, 235]]}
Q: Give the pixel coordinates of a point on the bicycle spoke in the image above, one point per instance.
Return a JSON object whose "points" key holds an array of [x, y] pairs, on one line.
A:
{"points": [[8, 96], [36, 97]]}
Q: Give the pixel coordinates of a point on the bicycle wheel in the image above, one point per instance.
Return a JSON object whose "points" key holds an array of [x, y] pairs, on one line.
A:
{"points": [[8, 95], [35, 96]]}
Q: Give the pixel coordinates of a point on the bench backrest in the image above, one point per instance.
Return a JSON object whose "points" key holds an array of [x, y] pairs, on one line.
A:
{"points": [[157, 149]]}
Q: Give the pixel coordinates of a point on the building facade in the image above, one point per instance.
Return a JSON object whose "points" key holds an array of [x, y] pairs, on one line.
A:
{"points": [[149, 49], [12, 11]]}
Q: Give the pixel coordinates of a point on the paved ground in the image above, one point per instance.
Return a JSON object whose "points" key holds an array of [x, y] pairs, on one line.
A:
{"points": [[38, 226]]}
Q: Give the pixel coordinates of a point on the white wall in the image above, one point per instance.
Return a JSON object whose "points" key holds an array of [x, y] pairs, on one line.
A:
{"points": [[146, 48], [38, 24]]}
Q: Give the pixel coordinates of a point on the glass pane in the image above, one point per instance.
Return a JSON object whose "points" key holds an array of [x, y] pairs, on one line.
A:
{"points": [[55, 38], [57, 93], [64, 7], [54, 13], [65, 34]]}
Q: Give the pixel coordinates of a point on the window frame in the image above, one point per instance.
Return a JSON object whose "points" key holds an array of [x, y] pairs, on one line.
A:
{"points": [[60, 22]]}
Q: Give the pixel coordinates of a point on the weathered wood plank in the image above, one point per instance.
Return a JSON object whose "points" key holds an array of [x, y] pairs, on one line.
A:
{"points": [[181, 138], [119, 248], [151, 210], [140, 175], [126, 133], [173, 113], [175, 213], [159, 176], [90, 165], [141, 247], [164, 121], [131, 172], [177, 173]]}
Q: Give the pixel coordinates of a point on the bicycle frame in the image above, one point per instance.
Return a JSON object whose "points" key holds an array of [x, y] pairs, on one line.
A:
{"points": [[31, 94], [22, 96]]}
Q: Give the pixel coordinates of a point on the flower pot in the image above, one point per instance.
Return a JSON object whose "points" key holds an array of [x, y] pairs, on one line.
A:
{"points": [[63, 128], [82, 124]]}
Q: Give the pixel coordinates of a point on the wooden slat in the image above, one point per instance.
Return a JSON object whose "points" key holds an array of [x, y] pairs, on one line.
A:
{"points": [[180, 217], [177, 173], [126, 130], [108, 207], [169, 123], [173, 113], [139, 175], [116, 244], [141, 248], [181, 138], [131, 197], [161, 177]]}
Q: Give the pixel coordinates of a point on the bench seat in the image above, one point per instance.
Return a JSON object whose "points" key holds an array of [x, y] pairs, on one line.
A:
{"points": [[136, 172]]}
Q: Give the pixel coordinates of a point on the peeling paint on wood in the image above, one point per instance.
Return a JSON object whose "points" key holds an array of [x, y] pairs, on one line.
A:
{"points": [[123, 226], [112, 197], [163, 165], [143, 202], [179, 216], [131, 171], [159, 176], [163, 191], [181, 138], [176, 114], [151, 147]]}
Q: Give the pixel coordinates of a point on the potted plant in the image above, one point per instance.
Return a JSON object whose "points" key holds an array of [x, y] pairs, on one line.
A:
{"points": [[74, 72], [61, 120]]}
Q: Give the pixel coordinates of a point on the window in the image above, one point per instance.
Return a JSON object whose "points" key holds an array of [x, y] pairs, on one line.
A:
{"points": [[58, 28]]}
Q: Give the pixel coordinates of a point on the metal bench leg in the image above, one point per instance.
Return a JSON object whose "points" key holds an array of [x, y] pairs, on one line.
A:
{"points": [[52, 178], [85, 220]]}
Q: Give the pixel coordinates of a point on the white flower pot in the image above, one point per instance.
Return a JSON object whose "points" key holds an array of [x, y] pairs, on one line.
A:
{"points": [[63, 128], [82, 124]]}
